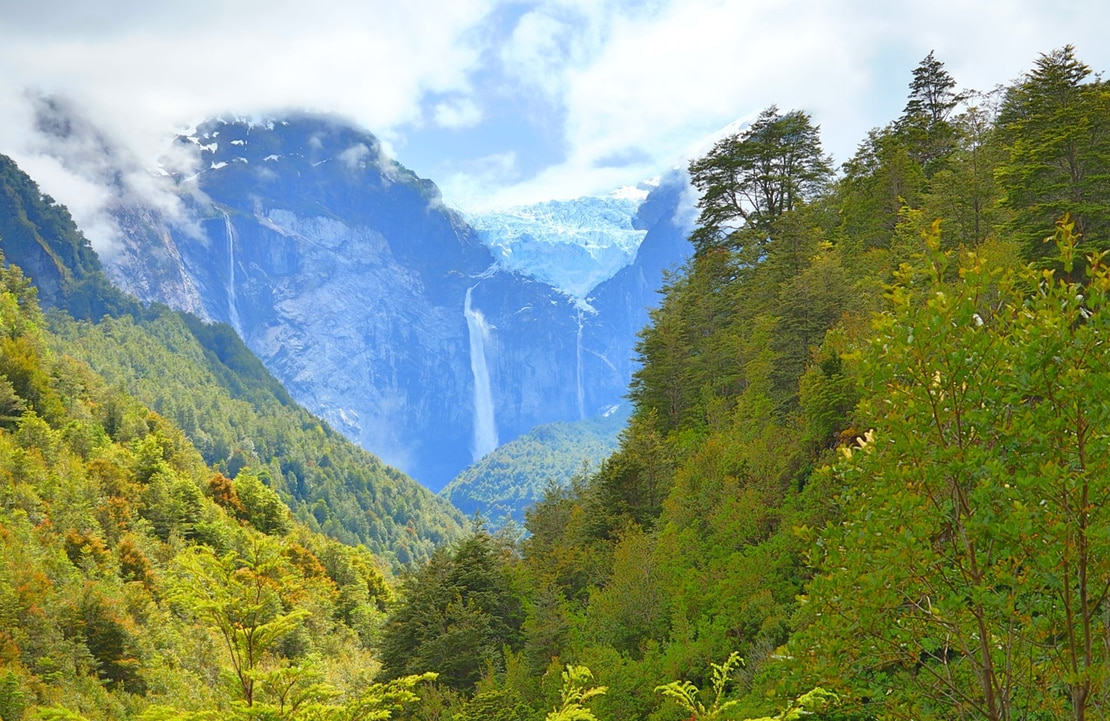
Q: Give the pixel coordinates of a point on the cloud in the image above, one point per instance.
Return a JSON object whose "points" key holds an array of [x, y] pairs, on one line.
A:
{"points": [[92, 173], [610, 91], [662, 80], [470, 185], [458, 113], [538, 51], [622, 157], [142, 72], [86, 199], [153, 69], [557, 37], [354, 157]]}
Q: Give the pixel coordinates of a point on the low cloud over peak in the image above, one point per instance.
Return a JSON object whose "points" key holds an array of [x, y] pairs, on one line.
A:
{"points": [[498, 101]]}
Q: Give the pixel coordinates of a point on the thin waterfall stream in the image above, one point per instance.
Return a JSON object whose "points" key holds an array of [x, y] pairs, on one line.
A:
{"points": [[232, 302], [581, 385], [485, 426]]}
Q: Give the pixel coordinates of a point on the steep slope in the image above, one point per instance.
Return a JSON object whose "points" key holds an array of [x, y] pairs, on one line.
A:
{"points": [[622, 303], [39, 234], [237, 423], [514, 477], [236, 413], [133, 577], [377, 307]]}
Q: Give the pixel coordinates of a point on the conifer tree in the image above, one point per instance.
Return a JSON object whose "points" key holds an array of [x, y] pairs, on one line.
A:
{"points": [[457, 616], [932, 93], [750, 178], [925, 122], [1055, 124]]}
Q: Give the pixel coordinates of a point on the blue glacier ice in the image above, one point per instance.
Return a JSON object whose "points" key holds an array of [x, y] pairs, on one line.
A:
{"points": [[572, 245]]}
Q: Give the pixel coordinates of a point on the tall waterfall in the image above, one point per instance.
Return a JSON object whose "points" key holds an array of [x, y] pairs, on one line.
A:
{"points": [[581, 386], [232, 303], [485, 428]]}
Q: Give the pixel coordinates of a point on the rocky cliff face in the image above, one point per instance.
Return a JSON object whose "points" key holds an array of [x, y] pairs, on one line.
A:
{"points": [[377, 306], [504, 483], [623, 302]]}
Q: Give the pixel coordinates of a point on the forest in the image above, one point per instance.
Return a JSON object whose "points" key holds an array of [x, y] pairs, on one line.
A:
{"points": [[205, 381], [865, 476]]}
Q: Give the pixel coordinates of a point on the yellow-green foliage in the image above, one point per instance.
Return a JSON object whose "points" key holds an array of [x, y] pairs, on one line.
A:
{"points": [[137, 581], [575, 694], [694, 538], [975, 525], [951, 564], [234, 416]]}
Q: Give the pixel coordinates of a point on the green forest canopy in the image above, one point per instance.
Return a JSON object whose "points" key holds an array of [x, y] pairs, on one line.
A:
{"points": [[868, 440], [867, 456]]}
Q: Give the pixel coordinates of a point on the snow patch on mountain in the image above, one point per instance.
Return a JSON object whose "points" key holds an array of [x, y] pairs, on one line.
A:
{"points": [[572, 245]]}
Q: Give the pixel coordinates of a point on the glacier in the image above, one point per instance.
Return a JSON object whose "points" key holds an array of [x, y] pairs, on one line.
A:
{"points": [[572, 245]]}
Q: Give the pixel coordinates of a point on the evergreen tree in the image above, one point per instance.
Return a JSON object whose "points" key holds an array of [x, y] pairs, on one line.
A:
{"points": [[1055, 124], [457, 615], [964, 193], [932, 93], [750, 178], [925, 120], [879, 180]]}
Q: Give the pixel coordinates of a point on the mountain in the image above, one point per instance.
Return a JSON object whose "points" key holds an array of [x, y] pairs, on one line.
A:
{"points": [[515, 476], [132, 574], [376, 306], [512, 478], [38, 234], [571, 245], [205, 380], [622, 303]]}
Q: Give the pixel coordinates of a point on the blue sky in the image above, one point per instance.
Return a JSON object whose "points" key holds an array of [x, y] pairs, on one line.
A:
{"points": [[505, 102]]}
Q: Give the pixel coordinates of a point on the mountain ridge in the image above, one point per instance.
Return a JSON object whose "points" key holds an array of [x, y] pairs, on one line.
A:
{"points": [[348, 277], [201, 376]]}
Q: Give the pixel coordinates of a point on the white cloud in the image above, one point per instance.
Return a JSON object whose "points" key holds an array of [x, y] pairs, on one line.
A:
{"points": [[660, 81], [86, 198], [91, 172], [458, 113], [471, 186], [537, 52], [557, 37], [355, 156], [152, 70], [630, 84]]}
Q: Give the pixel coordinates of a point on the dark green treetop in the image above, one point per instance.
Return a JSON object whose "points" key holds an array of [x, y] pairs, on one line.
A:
{"points": [[750, 178], [932, 92], [925, 123], [1055, 123]]}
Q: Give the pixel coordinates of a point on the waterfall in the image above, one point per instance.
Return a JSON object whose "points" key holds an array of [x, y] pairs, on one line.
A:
{"points": [[581, 388], [232, 303], [485, 429]]}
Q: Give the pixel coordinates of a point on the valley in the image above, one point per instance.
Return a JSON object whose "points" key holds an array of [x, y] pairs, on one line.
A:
{"points": [[767, 438], [372, 302]]}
